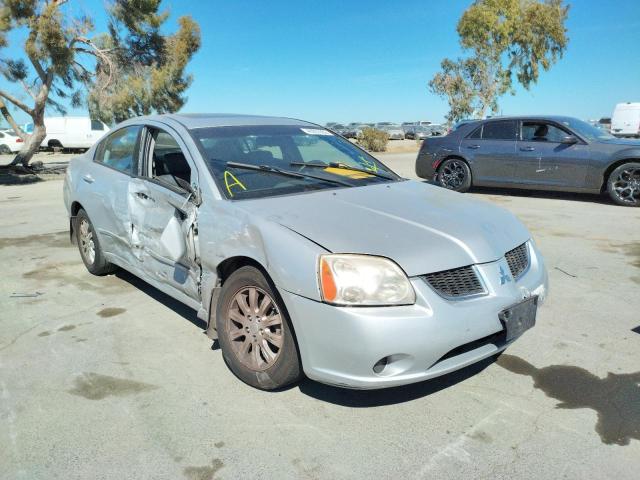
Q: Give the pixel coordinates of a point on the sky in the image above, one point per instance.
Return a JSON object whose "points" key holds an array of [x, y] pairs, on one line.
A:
{"points": [[369, 61]]}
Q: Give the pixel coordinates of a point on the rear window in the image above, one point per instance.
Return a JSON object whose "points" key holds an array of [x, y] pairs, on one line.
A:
{"points": [[499, 130]]}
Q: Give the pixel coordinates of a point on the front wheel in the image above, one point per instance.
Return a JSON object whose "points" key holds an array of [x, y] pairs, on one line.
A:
{"points": [[454, 174], [254, 332], [623, 185]]}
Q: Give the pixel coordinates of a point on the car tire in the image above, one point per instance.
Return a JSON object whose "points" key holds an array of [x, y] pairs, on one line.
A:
{"points": [[4, 149], [454, 174], [623, 184], [255, 334], [89, 246]]}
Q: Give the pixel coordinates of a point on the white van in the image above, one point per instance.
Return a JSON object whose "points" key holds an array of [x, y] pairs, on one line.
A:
{"points": [[73, 132], [625, 121]]}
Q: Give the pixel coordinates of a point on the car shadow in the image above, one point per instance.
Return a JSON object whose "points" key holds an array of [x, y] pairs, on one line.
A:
{"points": [[389, 396], [180, 308]]}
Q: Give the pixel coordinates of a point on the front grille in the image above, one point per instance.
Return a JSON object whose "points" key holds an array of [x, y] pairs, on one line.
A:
{"points": [[518, 260], [456, 283]]}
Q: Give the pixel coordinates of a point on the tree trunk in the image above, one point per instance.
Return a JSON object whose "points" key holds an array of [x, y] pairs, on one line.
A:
{"points": [[9, 118], [32, 143]]}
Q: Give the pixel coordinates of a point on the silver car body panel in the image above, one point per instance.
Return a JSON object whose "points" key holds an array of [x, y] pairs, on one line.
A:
{"points": [[421, 227]]}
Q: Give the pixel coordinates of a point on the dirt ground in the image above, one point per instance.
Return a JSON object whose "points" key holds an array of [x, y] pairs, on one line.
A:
{"points": [[106, 377]]}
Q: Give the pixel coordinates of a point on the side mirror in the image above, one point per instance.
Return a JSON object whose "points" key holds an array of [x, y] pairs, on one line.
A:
{"points": [[569, 140]]}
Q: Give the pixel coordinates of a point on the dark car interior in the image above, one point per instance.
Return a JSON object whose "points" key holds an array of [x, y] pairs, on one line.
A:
{"points": [[169, 164]]}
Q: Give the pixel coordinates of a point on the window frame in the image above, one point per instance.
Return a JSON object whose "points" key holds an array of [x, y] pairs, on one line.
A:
{"points": [[99, 151], [556, 124], [481, 127], [144, 172]]}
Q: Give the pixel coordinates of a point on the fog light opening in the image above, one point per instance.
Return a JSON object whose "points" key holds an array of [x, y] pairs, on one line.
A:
{"points": [[380, 365], [393, 364]]}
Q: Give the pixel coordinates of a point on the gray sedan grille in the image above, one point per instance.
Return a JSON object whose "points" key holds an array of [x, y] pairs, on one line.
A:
{"points": [[456, 283], [518, 260]]}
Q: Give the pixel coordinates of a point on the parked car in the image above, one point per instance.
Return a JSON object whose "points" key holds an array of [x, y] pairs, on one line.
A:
{"points": [[10, 142], [625, 121], [544, 153], [437, 130], [339, 129], [257, 224], [72, 132], [394, 130], [417, 132]]}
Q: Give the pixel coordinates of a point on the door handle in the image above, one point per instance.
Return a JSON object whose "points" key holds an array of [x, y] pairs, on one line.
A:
{"points": [[527, 149], [473, 147], [88, 178]]}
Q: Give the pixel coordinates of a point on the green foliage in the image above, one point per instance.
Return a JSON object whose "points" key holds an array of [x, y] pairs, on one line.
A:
{"points": [[373, 140], [134, 68], [145, 71], [503, 40]]}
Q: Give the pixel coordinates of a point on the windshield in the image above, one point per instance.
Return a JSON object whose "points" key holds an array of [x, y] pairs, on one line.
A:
{"points": [[587, 131], [321, 158]]}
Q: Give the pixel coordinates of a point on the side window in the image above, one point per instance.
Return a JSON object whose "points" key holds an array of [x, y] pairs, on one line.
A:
{"points": [[542, 132], [97, 125], [499, 130], [168, 164], [119, 150], [477, 133]]}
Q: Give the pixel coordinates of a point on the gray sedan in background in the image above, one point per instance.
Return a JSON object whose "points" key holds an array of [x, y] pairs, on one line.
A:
{"points": [[303, 253], [545, 153]]}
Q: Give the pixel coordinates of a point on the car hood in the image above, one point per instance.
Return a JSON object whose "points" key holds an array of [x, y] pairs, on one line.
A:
{"points": [[422, 227]]}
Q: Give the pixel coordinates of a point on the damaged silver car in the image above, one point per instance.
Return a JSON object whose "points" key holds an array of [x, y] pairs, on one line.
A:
{"points": [[302, 252]]}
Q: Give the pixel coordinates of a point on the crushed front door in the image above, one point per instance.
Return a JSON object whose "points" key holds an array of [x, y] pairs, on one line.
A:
{"points": [[164, 235]]}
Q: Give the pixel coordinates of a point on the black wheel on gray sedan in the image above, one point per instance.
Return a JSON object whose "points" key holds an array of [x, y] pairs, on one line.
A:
{"points": [[254, 331], [454, 174], [623, 185], [89, 246]]}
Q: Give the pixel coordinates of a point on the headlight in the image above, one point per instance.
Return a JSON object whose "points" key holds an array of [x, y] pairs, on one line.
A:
{"points": [[363, 280]]}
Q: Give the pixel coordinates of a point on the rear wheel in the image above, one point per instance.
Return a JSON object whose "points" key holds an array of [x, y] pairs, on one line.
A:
{"points": [[454, 174], [254, 332], [623, 185], [89, 246], [4, 149]]}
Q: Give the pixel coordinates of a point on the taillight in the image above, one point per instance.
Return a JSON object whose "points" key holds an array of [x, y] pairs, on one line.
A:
{"points": [[19, 140]]}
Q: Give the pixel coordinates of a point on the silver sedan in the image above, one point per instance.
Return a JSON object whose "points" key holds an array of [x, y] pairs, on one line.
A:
{"points": [[303, 253]]}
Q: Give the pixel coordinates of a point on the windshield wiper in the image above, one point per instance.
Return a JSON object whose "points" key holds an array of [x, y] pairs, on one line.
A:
{"points": [[340, 165], [285, 173]]}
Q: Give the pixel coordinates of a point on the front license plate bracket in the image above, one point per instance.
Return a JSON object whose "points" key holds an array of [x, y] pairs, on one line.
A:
{"points": [[519, 318]]}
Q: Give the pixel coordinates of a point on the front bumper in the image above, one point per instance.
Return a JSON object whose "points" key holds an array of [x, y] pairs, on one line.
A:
{"points": [[341, 345]]}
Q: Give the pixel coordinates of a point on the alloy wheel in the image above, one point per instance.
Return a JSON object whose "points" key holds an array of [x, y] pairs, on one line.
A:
{"points": [[453, 174], [86, 242], [254, 326], [627, 186]]}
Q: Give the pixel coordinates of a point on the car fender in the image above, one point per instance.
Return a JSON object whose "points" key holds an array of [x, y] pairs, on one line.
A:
{"points": [[226, 231]]}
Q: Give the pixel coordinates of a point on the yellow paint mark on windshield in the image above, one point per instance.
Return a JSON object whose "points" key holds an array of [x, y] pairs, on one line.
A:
{"points": [[228, 175], [369, 165], [345, 172]]}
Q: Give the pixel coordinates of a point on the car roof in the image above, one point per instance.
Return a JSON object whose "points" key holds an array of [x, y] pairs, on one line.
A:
{"points": [[556, 118], [205, 120]]}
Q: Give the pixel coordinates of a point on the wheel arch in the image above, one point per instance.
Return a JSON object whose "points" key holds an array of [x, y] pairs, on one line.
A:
{"points": [[75, 208], [612, 167], [224, 270]]}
